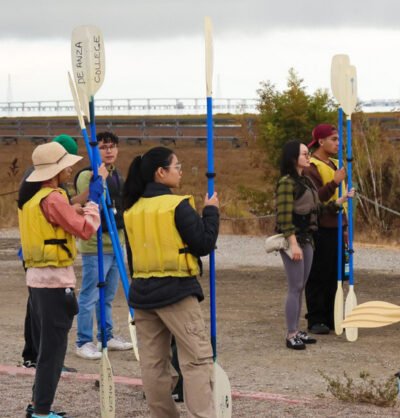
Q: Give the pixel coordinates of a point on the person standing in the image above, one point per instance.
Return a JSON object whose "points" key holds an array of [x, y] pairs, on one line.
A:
{"points": [[167, 236], [47, 225], [322, 282], [29, 353], [89, 295], [296, 218], [297, 212]]}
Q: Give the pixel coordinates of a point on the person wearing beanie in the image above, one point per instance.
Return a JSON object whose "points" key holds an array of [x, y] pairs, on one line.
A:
{"points": [[48, 225], [322, 282], [68, 143]]}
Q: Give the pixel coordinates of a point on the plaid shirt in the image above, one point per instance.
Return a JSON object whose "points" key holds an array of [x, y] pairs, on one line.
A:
{"points": [[284, 206], [286, 190]]}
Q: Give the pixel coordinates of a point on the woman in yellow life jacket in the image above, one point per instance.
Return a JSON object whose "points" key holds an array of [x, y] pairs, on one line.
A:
{"points": [[322, 282], [47, 225], [166, 237]]}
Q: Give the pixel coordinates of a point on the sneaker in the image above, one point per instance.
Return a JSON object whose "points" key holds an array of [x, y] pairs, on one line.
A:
{"points": [[116, 344], [295, 343], [30, 412], [51, 415], [319, 329], [28, 364], [305, 338], [88, 351], [66, 369]]}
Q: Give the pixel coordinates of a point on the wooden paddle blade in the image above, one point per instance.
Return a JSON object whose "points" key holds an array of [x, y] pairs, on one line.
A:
{"points": [[222, 393], [338, 310], [375, 304], [83, 98], [370, 319], [338, 76], [76, 102], [351, 303], [209, 54], [350, 95], [107, 389], [132, 331], [88, 59], [379, 312]]}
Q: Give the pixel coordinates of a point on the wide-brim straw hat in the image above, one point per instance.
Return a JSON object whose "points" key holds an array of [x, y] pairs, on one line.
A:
{"points": [[49, 160]]}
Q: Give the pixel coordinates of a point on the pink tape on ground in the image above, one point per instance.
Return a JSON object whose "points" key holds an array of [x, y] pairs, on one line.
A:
{"points": [[236, 394]]}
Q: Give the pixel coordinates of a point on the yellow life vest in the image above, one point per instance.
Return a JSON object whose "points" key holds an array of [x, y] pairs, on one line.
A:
{"points": [[42, 243], [156, 245], [327, 173]]}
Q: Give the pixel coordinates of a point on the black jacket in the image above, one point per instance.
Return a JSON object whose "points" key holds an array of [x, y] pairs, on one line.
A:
{"points": [[199, 234]]}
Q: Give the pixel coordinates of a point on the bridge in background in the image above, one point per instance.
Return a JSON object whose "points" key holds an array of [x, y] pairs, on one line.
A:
{"points": [[130, 107], [163, 120], [159, 106]]}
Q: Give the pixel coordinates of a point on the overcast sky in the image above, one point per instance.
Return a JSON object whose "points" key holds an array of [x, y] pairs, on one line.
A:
{"points": [[155, 48]]}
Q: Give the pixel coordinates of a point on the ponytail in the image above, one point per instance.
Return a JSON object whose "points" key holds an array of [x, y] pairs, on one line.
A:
{"points": [[134, 184], [141, 172]]}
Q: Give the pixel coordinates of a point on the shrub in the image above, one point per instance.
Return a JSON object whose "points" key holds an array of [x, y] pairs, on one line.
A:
{"points": [[366, 390]]}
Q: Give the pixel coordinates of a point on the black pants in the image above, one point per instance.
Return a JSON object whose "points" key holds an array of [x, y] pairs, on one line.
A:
{"points": [[322, 281], [52, 314], [29, 353]]}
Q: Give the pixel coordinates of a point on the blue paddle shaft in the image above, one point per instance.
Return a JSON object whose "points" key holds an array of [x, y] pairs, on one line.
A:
{"points": [[210, 147], [112, 228], [210, 174], [350, 201], [109, 216], [340, 215], [95, 164]]}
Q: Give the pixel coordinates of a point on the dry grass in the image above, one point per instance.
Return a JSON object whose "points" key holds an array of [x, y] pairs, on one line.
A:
{"points": [[365, 390], [232, 165]]}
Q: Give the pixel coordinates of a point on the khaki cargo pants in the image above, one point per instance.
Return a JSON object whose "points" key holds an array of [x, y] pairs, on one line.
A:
{"points": [[154, 328]]}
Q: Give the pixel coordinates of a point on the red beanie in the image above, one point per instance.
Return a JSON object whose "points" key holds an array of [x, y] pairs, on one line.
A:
{"points": [[322, 131]]}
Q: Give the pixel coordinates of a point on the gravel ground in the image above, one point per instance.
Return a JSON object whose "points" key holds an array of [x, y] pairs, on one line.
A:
{"points": [[251, 292], [240, 251]]}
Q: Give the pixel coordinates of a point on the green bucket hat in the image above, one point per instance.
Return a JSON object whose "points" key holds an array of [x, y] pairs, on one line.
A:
{"points": [[68, 143]]}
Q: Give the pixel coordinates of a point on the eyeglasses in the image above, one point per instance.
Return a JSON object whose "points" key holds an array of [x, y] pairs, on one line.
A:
{"points": [[177, 166], [110, 147], [306, 154]]}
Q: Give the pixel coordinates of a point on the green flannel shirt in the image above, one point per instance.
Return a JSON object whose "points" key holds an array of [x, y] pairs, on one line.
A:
{"points": [[286, 190]]}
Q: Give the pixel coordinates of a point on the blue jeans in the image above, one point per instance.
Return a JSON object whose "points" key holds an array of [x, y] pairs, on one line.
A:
{"points": [[89, 296]]}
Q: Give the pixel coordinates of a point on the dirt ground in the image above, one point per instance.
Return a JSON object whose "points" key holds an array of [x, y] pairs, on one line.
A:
{"points": [[251, 329]]}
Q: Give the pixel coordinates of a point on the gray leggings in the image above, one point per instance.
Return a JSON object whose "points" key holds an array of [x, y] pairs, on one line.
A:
{"points": [[297, 274]]}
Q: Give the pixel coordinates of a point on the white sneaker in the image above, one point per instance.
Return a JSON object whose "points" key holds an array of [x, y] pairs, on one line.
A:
{"points": [[116, 344], [88, 351]]}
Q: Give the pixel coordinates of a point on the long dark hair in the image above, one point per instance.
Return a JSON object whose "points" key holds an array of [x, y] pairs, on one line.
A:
{"points": [[141, 171], [290, 155], [26, 191]]}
